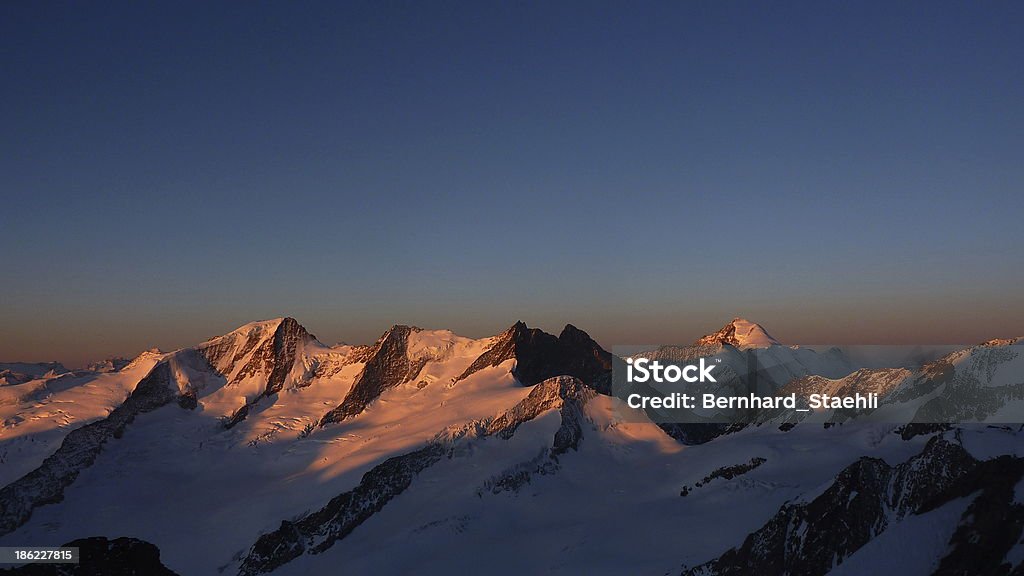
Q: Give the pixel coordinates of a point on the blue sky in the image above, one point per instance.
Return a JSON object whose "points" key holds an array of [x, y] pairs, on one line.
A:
{"points": [[839, 172]]}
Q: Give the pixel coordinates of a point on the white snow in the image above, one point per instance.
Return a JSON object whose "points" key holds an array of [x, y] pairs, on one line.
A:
{"points": [[752, 335]]}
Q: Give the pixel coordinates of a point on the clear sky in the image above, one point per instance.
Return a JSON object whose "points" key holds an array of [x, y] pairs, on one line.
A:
{"points": [[841, 172]]}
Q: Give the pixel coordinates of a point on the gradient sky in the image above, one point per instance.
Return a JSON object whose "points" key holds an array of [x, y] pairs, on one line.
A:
{"points": [[839, 172]]}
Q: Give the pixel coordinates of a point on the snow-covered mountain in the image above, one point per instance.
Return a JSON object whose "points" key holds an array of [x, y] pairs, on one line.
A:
{"points": [[980, 383], [265, 451], [747, 360], [740, 333], [747, 352]]}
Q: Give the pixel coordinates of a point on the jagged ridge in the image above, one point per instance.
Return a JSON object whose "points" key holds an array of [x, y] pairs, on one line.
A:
{"points": [[540, 356], [387, 366]]}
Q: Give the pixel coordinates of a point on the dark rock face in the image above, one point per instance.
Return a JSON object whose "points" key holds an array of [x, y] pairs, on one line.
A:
{"points": [[780, 548], [104, 557], [217, 351], [586, 359], [359, 354], [287, 337], [912, 430], [8, 377], [45, 485], [514, 478], [570, 396], [540, 356], [274, 356], [566, 393], [320, 530], [188, 400], [237, 417], [991, 525], [810, 537], [727, 335], [693, 433], [387, 366], [504, 348], [725, 473]]}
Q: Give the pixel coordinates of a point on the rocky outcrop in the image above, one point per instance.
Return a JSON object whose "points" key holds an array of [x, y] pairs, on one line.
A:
{"points": [[694, 433], [270, 349], [725, 473], [327, 367], [387, 366], [320, 530], [100, 556], [586, 359], [276, 351], [540, 356], [46, 484], [503, 348], [992, 523], [912, 430], [276, 355], [567, 394], [868, 497], [114, 364]]}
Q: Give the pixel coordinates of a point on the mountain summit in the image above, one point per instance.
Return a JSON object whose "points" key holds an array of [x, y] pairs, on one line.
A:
{"points": [[540, 356], [742, 334]]}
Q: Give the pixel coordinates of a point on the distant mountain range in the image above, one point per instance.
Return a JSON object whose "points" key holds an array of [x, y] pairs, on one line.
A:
{"points": [[266, 451]]}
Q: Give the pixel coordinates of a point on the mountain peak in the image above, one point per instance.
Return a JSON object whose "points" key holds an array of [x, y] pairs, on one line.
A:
{"points": [[519, 327], [540, 355], [571, 332], [741, 333]]}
